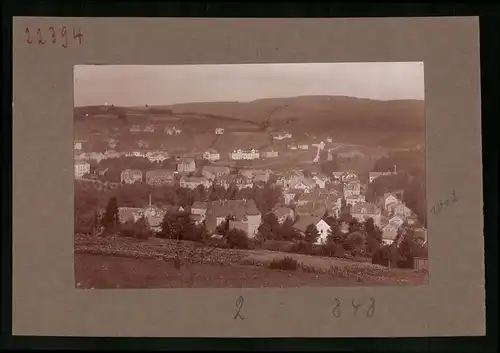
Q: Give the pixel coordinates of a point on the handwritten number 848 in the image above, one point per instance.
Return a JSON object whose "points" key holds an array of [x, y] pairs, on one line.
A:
{"points": [[54, 34], [368, 307]]}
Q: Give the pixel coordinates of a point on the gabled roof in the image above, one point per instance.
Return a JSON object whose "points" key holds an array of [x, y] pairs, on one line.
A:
{"points": [[199, 204], [282, 211], [304, 221], [237, 208]]}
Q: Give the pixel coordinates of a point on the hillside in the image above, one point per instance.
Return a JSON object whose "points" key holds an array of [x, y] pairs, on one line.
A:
{"points": [[335, 115]]}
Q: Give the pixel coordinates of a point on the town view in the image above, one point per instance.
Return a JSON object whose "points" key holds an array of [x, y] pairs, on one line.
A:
{"points": [[255, 175]]}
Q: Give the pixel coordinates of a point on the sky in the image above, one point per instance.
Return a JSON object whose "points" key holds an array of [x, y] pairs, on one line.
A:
{"points": [[138, 85]]}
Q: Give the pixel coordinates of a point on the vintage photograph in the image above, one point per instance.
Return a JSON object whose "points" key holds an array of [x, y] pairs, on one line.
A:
{"points": [[250, 175]]}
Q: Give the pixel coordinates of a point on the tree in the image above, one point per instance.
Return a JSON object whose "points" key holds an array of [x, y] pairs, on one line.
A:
{"points": [[232, 192], [373, 236], [287, 231], [311, 234], [199, 194], [354, 225], [355, 242], [177, 225], [223, 228], [142, 230], [269, 228], [110, 221]]}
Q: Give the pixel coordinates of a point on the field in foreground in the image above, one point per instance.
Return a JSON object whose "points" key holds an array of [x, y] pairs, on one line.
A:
{"points": [[124, 263]]}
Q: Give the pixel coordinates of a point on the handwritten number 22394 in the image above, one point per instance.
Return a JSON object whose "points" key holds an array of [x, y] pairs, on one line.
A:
{"points": [[54, 34]]}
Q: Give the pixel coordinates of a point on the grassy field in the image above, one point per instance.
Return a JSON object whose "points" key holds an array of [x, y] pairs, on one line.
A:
{"points": [[127, 263]]}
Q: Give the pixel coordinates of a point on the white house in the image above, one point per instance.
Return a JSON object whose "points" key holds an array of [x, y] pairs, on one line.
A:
{"points": [[77, 145], [219, 131], [149, 128], [374, 175], [135, 128], [194, 182], [81, 168], [321, 226], [157, 156], [281, 136], [211, 155], [187, 165], [303, 146], [270, 153], [240, 154], [352, 200], [172, 130]]}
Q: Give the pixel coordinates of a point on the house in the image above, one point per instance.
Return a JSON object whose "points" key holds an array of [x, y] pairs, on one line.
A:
{"points": [[160, 177], [281, 136], [282, 213], [269, 153], [321, 226], [199, 210], [388, 199], [338, 176], [135, 154], [81, 168], [111, 154], [315, 209], [212, 172], [149, 128], [211, 155], [78, 145], [312, 196], [399, 209], [396, 220], [352, 200], [421, 236], [186, 165], [172, 130], [242, 182], [219, 131], [131, 176], [96, 156], [112, 143], [320, 181], [289, 195], [194, 182], [225, 180], [239, 210], [329, 140], [364, 210], [305, 184], [303, 146], [292, 147], [143, 144], [333, 204], [374, 175], [127, 214], [389, 233], [352, 188], [135, 128], [154, 217], [157, 156], [258, 175], [240, 154]]}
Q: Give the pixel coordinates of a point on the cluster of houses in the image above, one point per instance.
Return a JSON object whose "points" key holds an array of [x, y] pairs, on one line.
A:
{"points": [[306, 199], [169, 130]]}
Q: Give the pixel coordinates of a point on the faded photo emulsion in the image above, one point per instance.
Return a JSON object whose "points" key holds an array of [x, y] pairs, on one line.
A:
{"points": [[250, 175]]}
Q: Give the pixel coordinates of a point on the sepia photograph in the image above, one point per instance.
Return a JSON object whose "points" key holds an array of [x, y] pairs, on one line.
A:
{"points": [[250, 175]]}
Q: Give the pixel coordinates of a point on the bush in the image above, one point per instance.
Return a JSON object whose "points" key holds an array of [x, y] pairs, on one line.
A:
{"points": [[287, 264], [302, 247], [381, 256], [236, 238], [329, 249], [278, 245]]}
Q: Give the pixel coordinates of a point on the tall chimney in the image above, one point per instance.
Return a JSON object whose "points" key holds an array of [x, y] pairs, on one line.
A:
{"points": [[149, 199], [394, 168]]}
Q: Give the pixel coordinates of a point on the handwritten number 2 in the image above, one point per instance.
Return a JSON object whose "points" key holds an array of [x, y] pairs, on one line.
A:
{"points": [[28, 40], [239, 305], [53, 34]]}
